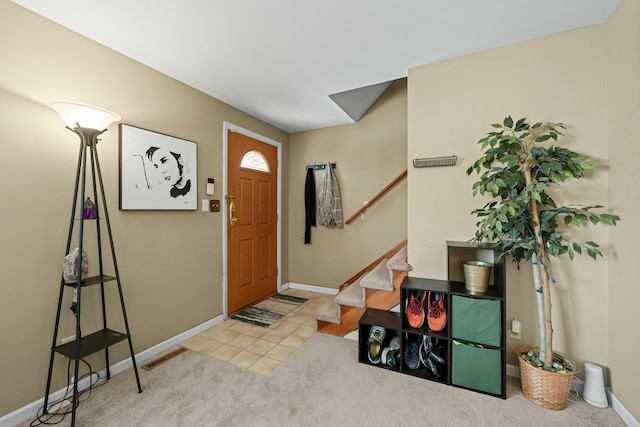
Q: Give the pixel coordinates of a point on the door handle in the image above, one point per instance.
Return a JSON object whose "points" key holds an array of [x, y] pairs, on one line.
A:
{"points": [[233, 219]]}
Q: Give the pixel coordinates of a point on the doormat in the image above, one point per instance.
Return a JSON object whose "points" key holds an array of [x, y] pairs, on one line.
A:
{"points": [[269, 311]]}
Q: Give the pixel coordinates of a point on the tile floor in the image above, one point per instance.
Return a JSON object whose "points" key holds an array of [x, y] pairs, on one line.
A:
{"points": [[256, 348]]}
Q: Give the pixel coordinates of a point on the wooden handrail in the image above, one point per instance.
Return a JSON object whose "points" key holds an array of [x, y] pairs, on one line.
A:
{"points": [[377, 196]]}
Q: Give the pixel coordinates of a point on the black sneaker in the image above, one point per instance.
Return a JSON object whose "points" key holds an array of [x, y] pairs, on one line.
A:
{"points": [[391, 354], [411, 356]]}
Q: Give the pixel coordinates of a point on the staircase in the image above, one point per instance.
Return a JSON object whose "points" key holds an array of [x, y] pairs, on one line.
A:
{"points": [[376, 286]]}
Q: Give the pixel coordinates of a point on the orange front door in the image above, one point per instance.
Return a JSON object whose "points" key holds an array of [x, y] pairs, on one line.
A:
{"points": [[252, 221]]}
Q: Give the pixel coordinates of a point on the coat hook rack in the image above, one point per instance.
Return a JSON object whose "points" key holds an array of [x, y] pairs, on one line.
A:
{"points": [[429, 162], [319, 166]]}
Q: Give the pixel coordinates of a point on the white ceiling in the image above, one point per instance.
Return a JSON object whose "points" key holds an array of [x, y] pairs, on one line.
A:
{"points": [[279, 60]]}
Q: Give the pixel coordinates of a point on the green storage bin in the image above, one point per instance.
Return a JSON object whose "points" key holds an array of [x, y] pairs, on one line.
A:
{"points": [[476, 320], [476, 368]]}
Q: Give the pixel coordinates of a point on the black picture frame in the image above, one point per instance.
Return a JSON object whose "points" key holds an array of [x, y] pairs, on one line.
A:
{"points": [[157, 171]]}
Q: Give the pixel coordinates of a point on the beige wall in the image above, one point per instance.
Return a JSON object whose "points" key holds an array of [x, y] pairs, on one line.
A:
{"points": [[623, 80], [563, 77], [368, 156], [170, 262]]}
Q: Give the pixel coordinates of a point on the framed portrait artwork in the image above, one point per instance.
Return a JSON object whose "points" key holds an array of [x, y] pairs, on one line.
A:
{"points": [[157, 171]]}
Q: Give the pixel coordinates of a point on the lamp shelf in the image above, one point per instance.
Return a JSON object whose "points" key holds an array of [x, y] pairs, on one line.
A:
{"points": [[94, 280], [91, 343]]}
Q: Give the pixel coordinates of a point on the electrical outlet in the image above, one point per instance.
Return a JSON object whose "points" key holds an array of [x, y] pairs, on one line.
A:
{"points": [[66, 340], [515, 330]]}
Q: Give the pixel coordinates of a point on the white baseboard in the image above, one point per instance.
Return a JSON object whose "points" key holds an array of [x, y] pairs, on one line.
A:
{"points": [[513, 371], [623, 412], [311, 288], [29, 411]]}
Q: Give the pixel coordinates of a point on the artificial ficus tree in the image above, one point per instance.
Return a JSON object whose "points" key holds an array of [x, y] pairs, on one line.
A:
{"points": [[520, 163]]}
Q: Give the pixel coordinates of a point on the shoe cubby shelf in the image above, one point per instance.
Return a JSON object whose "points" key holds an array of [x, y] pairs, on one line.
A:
{"points": [[468, 351]]}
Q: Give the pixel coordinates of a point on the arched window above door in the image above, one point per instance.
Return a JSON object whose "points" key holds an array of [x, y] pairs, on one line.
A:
{"points": [[254, 160]]}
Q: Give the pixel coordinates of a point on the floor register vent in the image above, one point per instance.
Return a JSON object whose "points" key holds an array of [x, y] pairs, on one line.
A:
{"points": [[164, 358]]}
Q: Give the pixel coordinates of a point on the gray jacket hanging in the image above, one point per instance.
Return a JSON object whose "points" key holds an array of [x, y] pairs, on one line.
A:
{"points": [[329, 201]]}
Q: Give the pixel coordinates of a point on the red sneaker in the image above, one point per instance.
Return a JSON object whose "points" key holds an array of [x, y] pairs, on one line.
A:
{"points": [[436, 315], [415, 308]]}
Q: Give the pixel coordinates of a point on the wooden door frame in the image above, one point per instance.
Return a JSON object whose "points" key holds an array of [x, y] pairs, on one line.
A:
{"points": [[225, 173]]}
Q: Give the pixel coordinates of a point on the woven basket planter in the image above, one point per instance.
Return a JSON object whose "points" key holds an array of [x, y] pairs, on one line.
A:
{"points": [[547, 389]]}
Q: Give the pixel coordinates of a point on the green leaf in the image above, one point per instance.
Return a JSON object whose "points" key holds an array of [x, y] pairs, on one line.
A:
{"points": [[521, 124], [608, 219], [496, 125], [536, 196], [587, 165], [508, 122], [542, 138], [538, 152], [577, 248], [555, 166]]}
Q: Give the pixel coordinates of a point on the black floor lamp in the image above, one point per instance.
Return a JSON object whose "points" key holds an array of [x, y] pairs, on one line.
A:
{"points": [[88, 123]]}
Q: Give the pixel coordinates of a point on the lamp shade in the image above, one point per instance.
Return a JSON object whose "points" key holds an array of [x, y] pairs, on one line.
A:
{"points": [[75, 114]]}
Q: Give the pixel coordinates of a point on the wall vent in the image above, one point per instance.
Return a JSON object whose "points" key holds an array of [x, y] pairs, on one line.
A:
{"points": [[430, 162]]}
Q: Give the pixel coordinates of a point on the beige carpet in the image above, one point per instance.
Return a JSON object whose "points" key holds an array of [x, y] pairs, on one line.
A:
{"points": [[321, 384]]}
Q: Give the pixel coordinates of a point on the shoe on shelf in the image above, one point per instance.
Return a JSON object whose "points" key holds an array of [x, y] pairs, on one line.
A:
{"points": [[435, 355], [433, 367], [425, 349], [374, 344], [415, 308], [411, 351], [391, 354], [395, 343], [390, 357], [436, 313]]}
